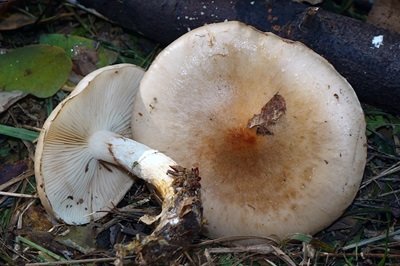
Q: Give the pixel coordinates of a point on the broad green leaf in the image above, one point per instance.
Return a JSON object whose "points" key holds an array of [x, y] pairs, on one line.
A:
{"points": [[73, 45], [40, 70], [68, 42]]}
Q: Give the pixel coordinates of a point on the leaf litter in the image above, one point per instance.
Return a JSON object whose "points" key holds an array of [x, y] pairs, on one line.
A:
{"points": [[367, 233]]}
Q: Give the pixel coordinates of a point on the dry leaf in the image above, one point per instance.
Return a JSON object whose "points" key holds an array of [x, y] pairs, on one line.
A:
{"points": [[15, 21], [269, 115], [9, 98]]}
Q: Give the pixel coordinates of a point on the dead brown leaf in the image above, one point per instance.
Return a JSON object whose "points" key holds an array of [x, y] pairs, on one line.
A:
{"points": [[7, 99], [15, 21]]}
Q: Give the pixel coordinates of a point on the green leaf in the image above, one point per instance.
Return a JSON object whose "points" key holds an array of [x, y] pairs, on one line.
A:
{"points": [[313, 241], [375, 122], [40, 70], [73, 45], [301, 237], [40, 248], [377, 119], [19, 133], [4, 151]]}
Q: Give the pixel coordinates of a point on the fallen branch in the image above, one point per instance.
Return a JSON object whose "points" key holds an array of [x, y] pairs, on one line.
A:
{"points": [[369, 57]]}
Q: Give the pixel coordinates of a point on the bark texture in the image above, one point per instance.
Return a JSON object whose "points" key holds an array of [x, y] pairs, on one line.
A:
{"points": [[372, 69]]}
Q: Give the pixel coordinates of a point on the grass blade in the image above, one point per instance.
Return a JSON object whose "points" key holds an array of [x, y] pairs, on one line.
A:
{"points": [[40, 248], [19, 133]]}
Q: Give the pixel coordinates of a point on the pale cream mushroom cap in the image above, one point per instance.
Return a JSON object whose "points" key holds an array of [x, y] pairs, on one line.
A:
{"points": [[196, 100], [72, 185]]}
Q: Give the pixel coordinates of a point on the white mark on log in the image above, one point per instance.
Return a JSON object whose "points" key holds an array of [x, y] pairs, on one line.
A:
{"points": [[377, 41]]}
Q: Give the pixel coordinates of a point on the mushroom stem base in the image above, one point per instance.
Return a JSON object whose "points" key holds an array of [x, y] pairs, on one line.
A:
{"points": [[181, 217], [180, 222]]}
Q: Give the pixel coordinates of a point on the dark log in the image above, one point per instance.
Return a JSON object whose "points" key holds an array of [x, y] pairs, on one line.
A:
{"points": [[373, 71]]}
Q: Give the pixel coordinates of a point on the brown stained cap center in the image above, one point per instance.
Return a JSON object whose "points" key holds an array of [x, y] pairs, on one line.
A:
{"points": [[269, 115]]}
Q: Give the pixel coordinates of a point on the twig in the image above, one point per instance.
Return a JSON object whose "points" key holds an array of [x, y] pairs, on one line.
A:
{"points": [[240, 261], [381, 154], [283, 256], [234, 239], [76, 261], [88, 10], [210, 261], [18, 195], [81, 22], [361, 254], [371, 240], [20, 216], [391, 170], [389, 193], [352, 254], [259, 249], [263, 249]]}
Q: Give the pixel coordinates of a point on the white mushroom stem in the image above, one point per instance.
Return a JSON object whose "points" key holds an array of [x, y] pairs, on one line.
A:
{"points": [[146, 163]]}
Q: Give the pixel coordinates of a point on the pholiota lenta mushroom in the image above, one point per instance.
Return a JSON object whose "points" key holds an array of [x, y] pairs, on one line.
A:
{"points": [[84, 159], [278, 133]]}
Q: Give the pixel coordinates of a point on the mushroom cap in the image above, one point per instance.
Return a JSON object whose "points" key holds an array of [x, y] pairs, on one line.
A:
{"points": [[72, 185], [199, 96]]}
